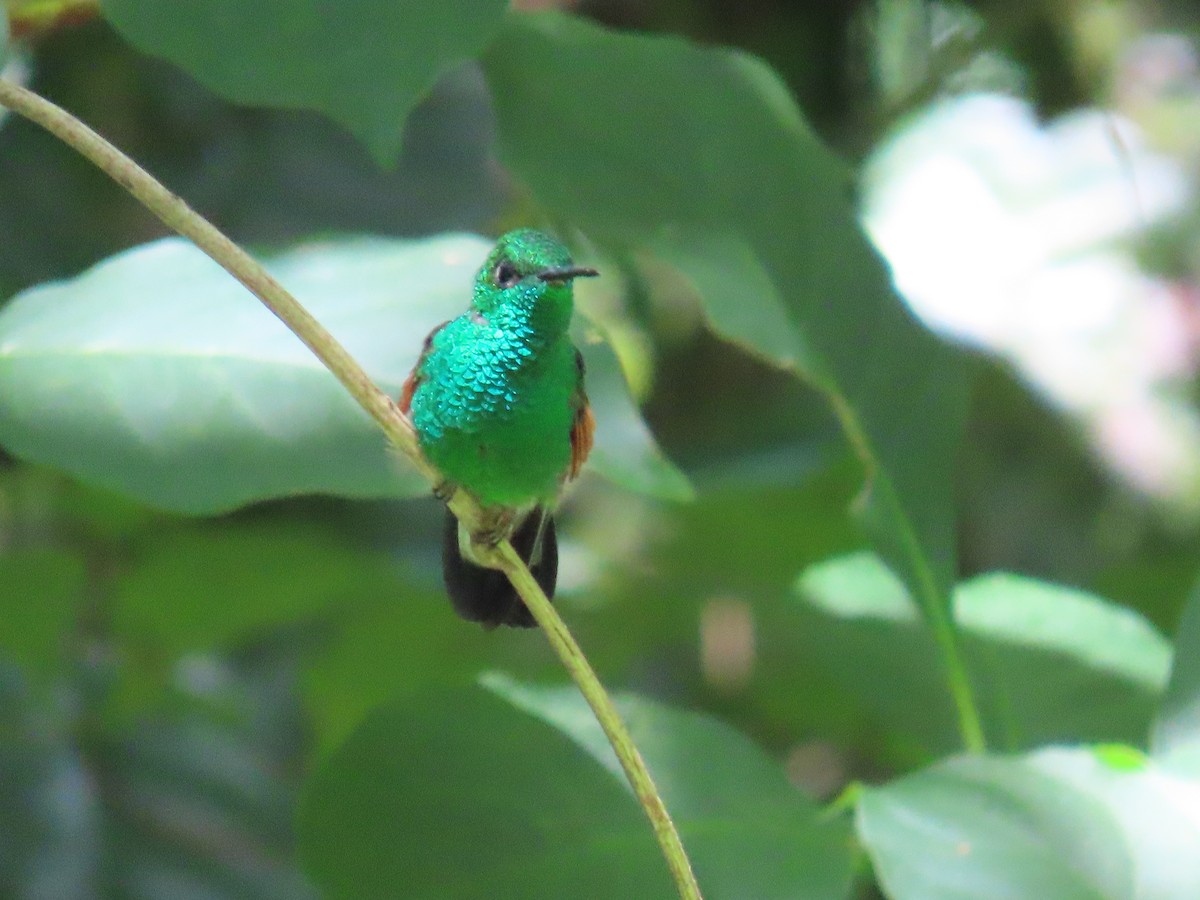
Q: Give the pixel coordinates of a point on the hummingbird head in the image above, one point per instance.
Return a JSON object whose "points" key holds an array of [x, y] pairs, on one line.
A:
{"points": [[529, 271]]}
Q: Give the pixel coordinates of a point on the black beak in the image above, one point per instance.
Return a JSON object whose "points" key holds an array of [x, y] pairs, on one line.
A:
{"points": [[567, 274]]}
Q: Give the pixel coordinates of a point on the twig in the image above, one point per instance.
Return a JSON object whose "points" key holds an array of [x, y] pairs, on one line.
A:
{"points": [[183, 219]]}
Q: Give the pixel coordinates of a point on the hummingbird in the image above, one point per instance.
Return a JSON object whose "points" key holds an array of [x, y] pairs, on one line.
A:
{"points": [[498, 404]]}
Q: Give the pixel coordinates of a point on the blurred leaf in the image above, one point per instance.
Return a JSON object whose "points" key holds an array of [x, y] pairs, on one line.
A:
{"points": [[404, 644], [156, 374], [465, 793], [1061, 822], [1177, 728], [453, 792], [988, 827], [774, 841], [208, 588], [40, 593], [186, 808], [364, 63], [625, 450], [1157, 811], [734, 170], [1052, 663], [902, 48]]}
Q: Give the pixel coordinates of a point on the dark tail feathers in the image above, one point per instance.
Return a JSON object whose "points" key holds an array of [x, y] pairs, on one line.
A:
{"points": [[485, 595]]}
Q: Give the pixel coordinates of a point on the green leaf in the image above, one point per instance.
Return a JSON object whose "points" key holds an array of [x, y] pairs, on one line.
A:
{"points": [[453, 792], [40, 594], [625, 451], [1157, 811], [688, 147], [156, 374], [1177, 728], [364, 63], [1061, 822], [902, 47], [511, 792], [987, 827], [210, 587], [1035, 648], [748, 831]]}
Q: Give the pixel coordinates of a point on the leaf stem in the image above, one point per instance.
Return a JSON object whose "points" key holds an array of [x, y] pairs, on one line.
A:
{"points": [[937, 608], [177, 215]]}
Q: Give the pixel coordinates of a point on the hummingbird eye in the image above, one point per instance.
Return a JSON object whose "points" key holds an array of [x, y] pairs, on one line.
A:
{"points": [[506, 274]]}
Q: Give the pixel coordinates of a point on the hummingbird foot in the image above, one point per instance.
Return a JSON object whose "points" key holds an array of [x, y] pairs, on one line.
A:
{"points": [[496, 524], [444, 489]]}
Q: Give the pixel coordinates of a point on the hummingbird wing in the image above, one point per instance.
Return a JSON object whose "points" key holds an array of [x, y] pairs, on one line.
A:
{"points": [[583, 428], [417, 375]]}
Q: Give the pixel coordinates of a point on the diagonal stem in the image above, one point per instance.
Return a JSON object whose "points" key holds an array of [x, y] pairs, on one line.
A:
{"points": [[181, 218]]}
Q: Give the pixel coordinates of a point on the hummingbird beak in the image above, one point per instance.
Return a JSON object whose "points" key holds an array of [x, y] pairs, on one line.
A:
{"points": [[566, 274]]}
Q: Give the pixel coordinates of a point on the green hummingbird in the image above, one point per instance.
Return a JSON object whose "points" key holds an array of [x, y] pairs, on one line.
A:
{"points": [[498, 404]]}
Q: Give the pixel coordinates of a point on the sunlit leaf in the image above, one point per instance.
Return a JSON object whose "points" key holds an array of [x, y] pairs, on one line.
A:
{"points": [[156, 374], [1062, 822], [991, 828], [1036, 649]]}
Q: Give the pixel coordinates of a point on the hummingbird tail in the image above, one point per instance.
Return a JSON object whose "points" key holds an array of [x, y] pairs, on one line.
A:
{"points": [[484, 595]]}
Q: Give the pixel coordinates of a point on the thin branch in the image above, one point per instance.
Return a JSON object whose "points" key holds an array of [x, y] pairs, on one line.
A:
{"points": [[181, 218]]}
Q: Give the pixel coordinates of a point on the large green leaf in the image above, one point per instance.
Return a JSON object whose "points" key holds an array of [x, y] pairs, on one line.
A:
{"points": [[156, 374], [987, 827], [773, 841], [1052, 663], [364, 63], [453, 792], [516, 792], [1100, 822], [702, 154]]}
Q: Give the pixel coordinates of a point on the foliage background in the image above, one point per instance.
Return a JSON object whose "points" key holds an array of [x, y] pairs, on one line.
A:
{"points": [[171, 686]]}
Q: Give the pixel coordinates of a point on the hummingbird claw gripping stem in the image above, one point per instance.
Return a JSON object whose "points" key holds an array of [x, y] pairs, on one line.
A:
{"points": [[497, 524]]}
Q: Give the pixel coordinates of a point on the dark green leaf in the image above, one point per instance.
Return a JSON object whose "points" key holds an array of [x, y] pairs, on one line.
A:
{"points": [[703, 154], [156, 374], [206, 588], [40, 594], [510, 806], [525, 798], [1177, 729], [749, 832], [364, 63]]}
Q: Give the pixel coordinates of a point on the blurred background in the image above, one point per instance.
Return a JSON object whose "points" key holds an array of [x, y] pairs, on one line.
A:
{"points": [[1028, 170]]}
